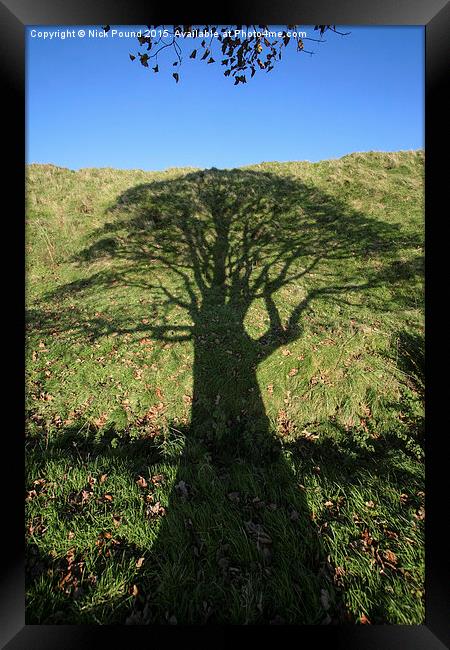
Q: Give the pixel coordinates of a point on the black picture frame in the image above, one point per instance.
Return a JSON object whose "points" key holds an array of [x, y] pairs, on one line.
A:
{"points": [[15, 15]]}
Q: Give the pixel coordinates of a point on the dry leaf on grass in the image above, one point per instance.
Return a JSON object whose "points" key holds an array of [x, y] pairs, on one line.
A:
{"points": [[420, 514], [156, 510], [390, 557]]}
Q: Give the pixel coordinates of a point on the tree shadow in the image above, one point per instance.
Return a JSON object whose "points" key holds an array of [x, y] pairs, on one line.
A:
{"points": [[237, 527]]}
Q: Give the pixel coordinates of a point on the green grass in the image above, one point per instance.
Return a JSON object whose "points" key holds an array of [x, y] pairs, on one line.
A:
{"points": [[225, 393]]}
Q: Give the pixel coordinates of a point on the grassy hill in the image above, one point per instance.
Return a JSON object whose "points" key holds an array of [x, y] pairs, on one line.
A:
{"points": [[225, 393]]}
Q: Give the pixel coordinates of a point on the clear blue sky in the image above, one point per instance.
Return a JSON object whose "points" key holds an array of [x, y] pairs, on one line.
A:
{"points": [[88, 105]]}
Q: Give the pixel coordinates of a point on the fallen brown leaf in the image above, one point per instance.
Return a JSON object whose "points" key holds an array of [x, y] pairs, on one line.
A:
{"points": [[339, 573], [156, 510], [366, 538], [390, 557], [420, 514], [142, 482], [100, 421], [85, 496]]}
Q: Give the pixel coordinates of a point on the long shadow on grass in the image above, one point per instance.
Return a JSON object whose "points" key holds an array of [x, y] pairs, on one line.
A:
{"points": [[235, 543]]}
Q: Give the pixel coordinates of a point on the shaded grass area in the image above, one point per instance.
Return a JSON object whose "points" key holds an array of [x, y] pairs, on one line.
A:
{"points": [[225, 394]]}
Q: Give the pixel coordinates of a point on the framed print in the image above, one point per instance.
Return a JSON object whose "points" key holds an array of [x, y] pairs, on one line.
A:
{"points": [[223, 277]]}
